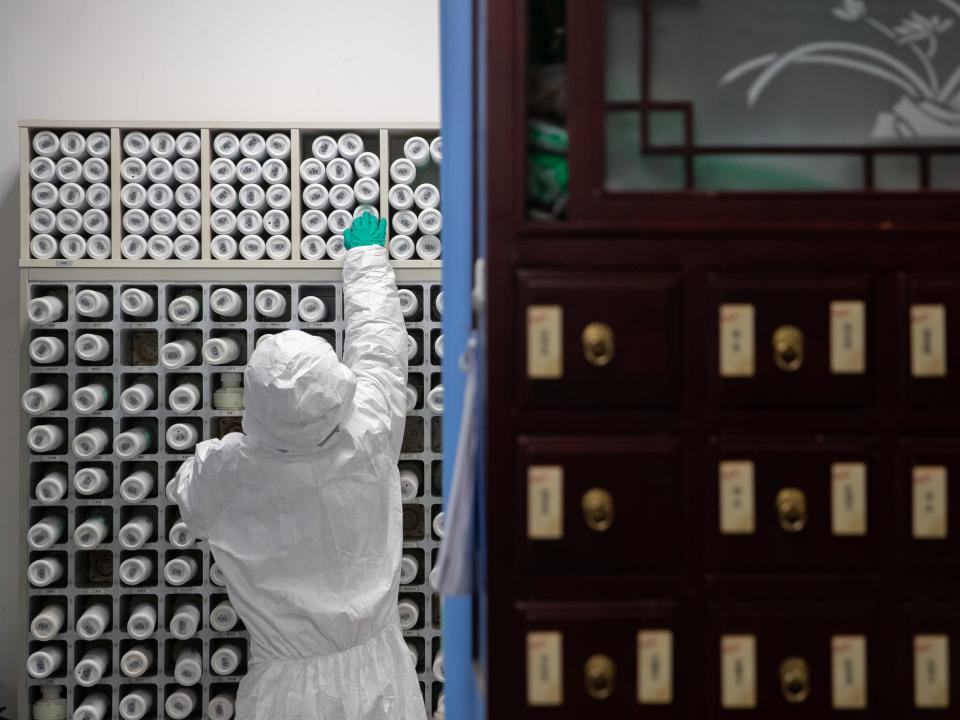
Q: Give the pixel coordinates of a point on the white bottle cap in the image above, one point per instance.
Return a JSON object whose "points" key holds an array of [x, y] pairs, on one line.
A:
{"points": [[221, 351], [252, 247], [180, 703], [136, 302], [430, 222], [438, 666], [438, 527], [160, 247], [45, 532], [135, 570], [253, 145], [409, 615], [51, 488], [90, 398], [313, 247], [143, 621], [226, 302], [134, 441], [249, 170], [336, 250], [185, 621], [314, 222], [136, 144], [249, 222], [90, 481], [72, 144], [409, 304], [89, 670], [95, 170], [92, 348], [90, 533], [136, 661], [163, 145], [46, 143], [136, 398], [69, 170], [278, 145], [136, 486], [188, 144], [177, 354], [133, 170], [92, 303], [275, 171], [216, 575], [361, 210], [339, 171], [428, 247], [316, 197], [227, 145], [188, 195], [44, 662], [367, 165], [276, 222], [404, 222], [225, 660], [312, 309], [171, 489], [98, 196], [435, 399], [409, 567], [43, 246], [400, 197], [43, 220], [221, 706], [403, 172], [278, 197], [342, 197], [158, 196], [98, 144], [338, 222], [426, 196], [41, 399], [93, 707], [417, 151], [136, 221], [186, 247], [325, 148], [136, 532], [188, 667], [412, 398], [438, 346], [163, 222], [45, 195], [186, 170], [184, 398], [94, 622], [413, 347], [133, 247], [72, 196], [225, 197], [401, 247], [135, 704], [188, 222], [350, 146], [252, 197], [180, 570], [223, 247], [409, 485], [73, 246], [44, 571], [270, 303], [278, 247], [181, 436], [180, 535], [99, 247], [367, 191], [223, 618], [42, 169], [44, 438], [160, 170], [312, 171], [184, 309], [436, 150], [223, 170], [48, 622]]}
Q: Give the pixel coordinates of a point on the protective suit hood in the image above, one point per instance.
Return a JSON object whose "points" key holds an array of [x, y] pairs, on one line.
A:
{"points": [[296, 391]]}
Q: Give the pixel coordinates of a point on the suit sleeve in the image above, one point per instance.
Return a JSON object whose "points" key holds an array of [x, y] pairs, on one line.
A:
{"points": [[192, 486]]}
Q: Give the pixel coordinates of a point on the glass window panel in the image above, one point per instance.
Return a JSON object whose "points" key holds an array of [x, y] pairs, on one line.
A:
{"points": [[896, 172], [628, 170], [945, 172], [796, 173]]}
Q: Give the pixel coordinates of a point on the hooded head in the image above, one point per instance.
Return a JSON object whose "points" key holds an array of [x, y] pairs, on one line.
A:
{"points": [[295, 391]]}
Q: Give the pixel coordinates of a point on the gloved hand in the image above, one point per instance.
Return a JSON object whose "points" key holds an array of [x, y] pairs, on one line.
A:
{"points": [[366, 231]]}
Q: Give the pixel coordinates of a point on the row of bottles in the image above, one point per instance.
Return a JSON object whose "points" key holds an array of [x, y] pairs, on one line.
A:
{"points": [[136, 532], [48, 438], [137, 570]]}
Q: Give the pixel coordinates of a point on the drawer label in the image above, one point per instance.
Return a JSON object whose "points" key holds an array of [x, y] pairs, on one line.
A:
{"points": [[928, 341], [545, 342], [930, 502], [655, 667], [848, 337], [544, 668], [736, 341], [738, 669], [545, 502], [737, 515], [849, 669], [849, 498], [931, 671]]}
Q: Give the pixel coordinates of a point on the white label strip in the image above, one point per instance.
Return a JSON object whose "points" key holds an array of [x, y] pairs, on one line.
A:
{"points": [[545, 502], [848, 337], [545, 342], [928, 341], [737, 351], [848, 498], [544, 668], [931, 671], [738, 671], [737, 514], [930, 502], [655, 667], [849, 669]]}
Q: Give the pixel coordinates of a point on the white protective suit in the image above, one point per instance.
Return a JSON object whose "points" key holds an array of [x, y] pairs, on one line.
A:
{"points": [[303, 514]]}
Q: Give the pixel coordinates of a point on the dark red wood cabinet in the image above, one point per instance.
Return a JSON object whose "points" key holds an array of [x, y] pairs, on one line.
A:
{"points": [[722, 326]]}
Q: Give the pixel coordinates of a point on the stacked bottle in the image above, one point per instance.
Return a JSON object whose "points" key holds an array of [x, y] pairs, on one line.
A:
{"points": [[414, 197]]}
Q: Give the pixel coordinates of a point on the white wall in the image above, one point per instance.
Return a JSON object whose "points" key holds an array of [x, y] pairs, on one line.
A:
{"points": [[303, 60]]}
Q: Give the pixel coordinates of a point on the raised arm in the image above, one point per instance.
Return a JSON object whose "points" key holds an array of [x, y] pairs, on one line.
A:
{"points": [[375, 346]]}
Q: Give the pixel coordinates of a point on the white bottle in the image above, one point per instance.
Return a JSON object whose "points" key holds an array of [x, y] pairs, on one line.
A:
{"points": [[45, 310], [90, 398], [278, 247], [249, 171], [143, 621], [45, 661], [136, 532], [325, 148], [188, 666], [430, 222], [44, 438], [42, 398], [91, 667], [438, 527], [182, 436], [216, 576], [316, 197], [438, 303], [184, 309], [409, 568], [314, 222], [160, 170], [435, 399], [160, 247], [91, 532], [73, 246], [253, 145], [400, 197], [134, 441], [42, 169], [136, 486], [46, 532], [270, 303], [45, 571], [312, 309], [184, 398], [136, 661], [338, 221], [412, 398], [180, 535], [135, 570], [43, 246], [313, 247], [413, 347], [90, 481], [342, 197], [278, 145], [135, 704], [409, 614], [178, 353], [275, 171], [278, 197], [367, 165], [436, 150], [438, 667], [99, 247], [133, 247], [401, 247], [409, 485], [92, 348], [92, 303], [222, 706], [137, 398], [180, 570], [185, 621], [188, 196], [188, 144], [428, 247], [51, 488], [94, 706], [402, 172], [186, 247], [404, 223], [223, 618], [180, 703], [221, 351], [417, 151], [90, 443], [227, 145], [46, 350], [252, 247], [49, 622], [350, 145], [226, 659], [367, 191], [226, 302], [312, 171], [94, 622], [223, 247]]}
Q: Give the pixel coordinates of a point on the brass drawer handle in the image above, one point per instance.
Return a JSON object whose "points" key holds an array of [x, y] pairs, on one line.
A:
{"points": [[792, 509], [795, 680], [599, 674], [598, 344], [788, 348], [597, 505]]}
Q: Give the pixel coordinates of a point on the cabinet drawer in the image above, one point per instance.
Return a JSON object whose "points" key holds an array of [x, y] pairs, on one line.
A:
{"points": [[929, 507], [595, 341], [617, 661], [600, 505], [929, 685], [795, 505], [931, 319], [795, 661], [791, 341]]}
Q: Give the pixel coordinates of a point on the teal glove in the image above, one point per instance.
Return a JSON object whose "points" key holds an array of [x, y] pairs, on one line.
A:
{"points": [[366, 231]]}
